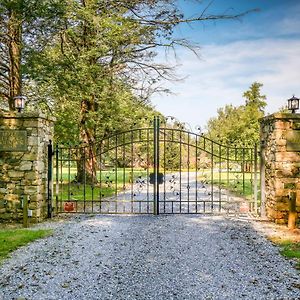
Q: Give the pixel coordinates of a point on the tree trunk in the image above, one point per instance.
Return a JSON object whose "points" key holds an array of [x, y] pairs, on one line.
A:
{"points": [[14, 46], [87, 161]]}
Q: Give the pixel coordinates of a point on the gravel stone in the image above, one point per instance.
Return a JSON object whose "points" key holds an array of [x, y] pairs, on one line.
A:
{"points": [[149, 257]]}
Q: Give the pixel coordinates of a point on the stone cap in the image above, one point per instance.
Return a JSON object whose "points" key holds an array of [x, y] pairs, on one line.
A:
{"points": [[26, 115], [280, 116]]}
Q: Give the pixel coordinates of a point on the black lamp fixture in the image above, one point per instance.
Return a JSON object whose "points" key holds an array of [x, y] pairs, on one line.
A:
{"points": [[293, 104], [19, 102]]}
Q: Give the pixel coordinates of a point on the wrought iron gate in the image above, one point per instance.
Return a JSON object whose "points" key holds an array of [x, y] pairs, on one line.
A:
{"points": [[164, 168]]}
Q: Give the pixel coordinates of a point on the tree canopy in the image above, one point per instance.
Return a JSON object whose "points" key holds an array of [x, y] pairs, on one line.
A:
{"points": [[240, 124], [85, 57], [90, 63]]}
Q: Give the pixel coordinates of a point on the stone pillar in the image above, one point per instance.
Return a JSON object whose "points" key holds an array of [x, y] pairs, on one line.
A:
{"points": [[280, 145], [23, 164]]}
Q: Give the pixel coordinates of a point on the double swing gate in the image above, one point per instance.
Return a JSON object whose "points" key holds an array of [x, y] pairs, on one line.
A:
{"points": [[163, 168]]}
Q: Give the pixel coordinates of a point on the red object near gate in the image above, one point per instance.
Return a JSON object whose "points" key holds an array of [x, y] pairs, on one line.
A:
{"points": [[69, 206]]}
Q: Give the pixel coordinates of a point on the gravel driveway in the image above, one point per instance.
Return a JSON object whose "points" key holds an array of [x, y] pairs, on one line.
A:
{"points": [[147, 257]]}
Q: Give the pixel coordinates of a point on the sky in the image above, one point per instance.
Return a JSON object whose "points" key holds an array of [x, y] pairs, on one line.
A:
{"points": [[262, 46]]}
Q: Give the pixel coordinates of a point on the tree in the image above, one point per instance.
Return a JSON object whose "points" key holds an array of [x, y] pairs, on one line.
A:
{"points": [[104, 55], [24, 24], [10, 50], [239, 125], [254, 98], [98, 48]]}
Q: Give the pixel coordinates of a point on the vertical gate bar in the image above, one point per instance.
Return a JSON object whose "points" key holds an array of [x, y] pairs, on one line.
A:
{"points": [[76, 149], [57, 176], [255, 179], [164, 145], [156, 165], [61, 178], [196, 171], [220, 177], [171, 143], [206, 181], [100, 175], [124, 174], [188, 174], [84, 178], [116, 175], [212, 176], [93, 179], [180, 162], [140, 138], [155, 212], [243, 171], [69, 173], [235, 170], [107, 160], [148, 165], [50, 179], [131, 172], [251, 170], [228, 171]]}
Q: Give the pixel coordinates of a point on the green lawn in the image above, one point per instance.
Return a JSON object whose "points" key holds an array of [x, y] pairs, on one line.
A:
{"points": [[289, 244], [237, 188], [77, 192], [111, 182], [12, 239], [69, 174], [291, 249], [233, 181]]}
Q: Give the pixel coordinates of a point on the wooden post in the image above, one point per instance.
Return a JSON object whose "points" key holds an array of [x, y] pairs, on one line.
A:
{"points": [[292, 211], [25, 211]]}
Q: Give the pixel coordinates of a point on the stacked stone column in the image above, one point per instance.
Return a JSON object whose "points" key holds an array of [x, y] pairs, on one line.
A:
{"points": [[23, 164], [280, 154]]}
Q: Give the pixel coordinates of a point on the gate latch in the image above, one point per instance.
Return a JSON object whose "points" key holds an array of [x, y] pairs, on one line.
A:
{"points": [[160, 178]]}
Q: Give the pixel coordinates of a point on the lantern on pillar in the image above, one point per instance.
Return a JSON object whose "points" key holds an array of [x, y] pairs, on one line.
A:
{"points": [[19, 102], [293, 104]]}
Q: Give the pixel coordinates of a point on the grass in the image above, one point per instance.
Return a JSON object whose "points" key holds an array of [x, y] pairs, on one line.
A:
{"points": [[12, 239], [291, 250], [233, 181], [77, 192], [289, 247], [110, 182], [66, 174], [238, 189]]}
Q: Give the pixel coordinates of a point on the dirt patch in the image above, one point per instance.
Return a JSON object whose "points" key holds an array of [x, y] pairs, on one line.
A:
{"points": [[277, 233]]}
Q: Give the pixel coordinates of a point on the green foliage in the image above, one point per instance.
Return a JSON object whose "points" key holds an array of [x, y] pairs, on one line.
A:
{"points": [[11, 240], [254, 98], [289, 248], [24, 28], [237, 186], [111, 182], [92, 66], [239, 125], [91, 63]]}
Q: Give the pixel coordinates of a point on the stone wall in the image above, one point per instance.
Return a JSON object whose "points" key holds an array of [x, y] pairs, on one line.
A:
{"points": [[24, 138], [280, 151]]}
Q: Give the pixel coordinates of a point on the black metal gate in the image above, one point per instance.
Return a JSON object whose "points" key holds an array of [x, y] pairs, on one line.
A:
{"points": [[164, 168]]}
